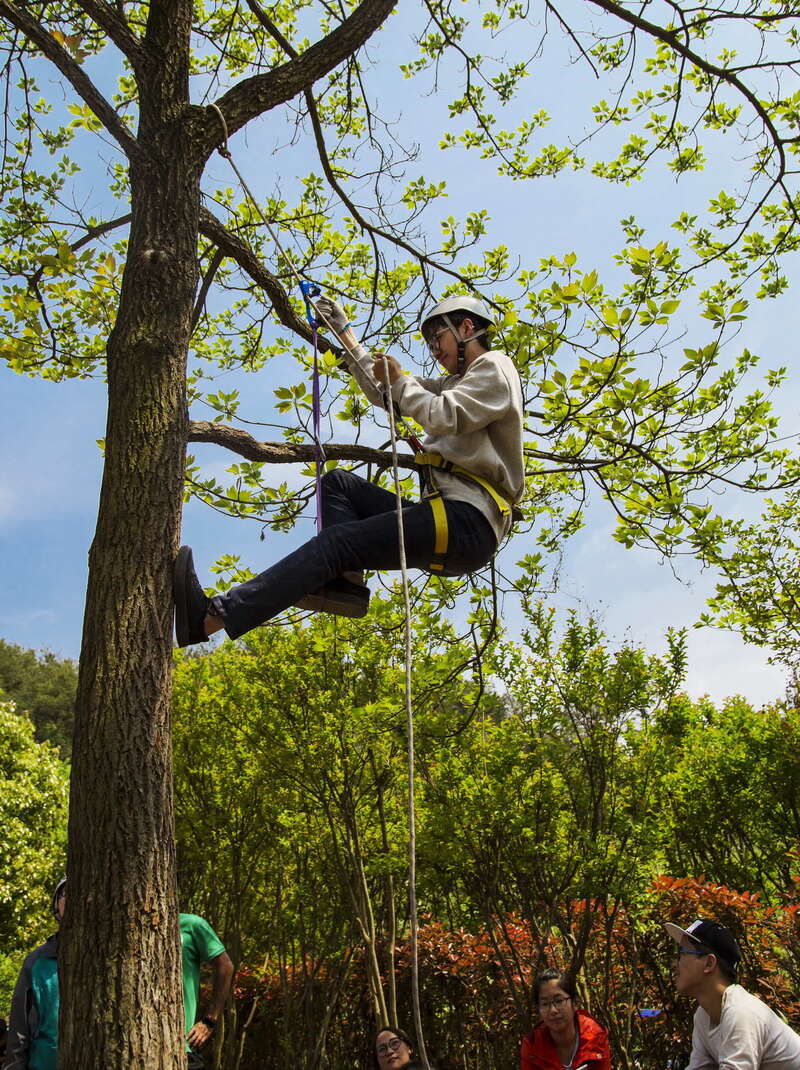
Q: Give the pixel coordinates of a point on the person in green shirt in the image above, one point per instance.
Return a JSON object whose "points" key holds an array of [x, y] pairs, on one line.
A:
{"points": [[199, 944]]}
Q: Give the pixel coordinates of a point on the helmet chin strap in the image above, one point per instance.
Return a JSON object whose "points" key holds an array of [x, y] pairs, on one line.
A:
{"points": [[461, 342]]}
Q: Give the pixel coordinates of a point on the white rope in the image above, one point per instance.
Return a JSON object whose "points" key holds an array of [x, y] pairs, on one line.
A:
{"points": [[412, 819], [412, 816], [225, 152]]}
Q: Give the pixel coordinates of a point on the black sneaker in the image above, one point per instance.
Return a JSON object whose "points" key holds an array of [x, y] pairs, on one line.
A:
{"points": [[340, 597], [191, 601]]}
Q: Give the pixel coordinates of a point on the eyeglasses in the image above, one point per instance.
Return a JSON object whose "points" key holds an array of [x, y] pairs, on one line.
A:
{"points": [[433, 339], [691, 951], [554, 1004], [391, 1045]]}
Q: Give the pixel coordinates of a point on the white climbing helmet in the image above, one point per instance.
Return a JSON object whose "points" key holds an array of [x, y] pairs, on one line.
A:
{"points": [[461, 303]]}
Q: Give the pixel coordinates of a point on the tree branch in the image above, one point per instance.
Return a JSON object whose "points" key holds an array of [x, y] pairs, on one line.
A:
{"points": [[238, 251], [109, 20], [253, 96], [237, 441], [327, 168], [671, 38], [72, 71], [96, 231], [205, 286]]}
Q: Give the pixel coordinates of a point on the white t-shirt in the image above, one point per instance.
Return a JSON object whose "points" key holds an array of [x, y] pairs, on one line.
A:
{"points": [[749, 1037]]}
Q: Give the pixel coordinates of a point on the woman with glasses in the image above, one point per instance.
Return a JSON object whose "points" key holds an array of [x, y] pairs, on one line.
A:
{"points": [[566, 1038], [394, 1050]]}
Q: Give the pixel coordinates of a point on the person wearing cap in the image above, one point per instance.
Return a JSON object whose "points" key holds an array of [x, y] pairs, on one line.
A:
{"points": [[472, 458], [32, 1042], [733, 1029]]}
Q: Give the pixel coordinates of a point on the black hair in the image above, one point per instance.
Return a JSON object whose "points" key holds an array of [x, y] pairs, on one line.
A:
{"points": [[396, 1032], [563, 978], [59, 890]]}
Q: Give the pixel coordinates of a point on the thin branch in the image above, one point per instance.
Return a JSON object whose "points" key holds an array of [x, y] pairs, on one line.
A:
{"points": [[322, 152], [73, 72], [565, 26], [208, 278], [254, 96], [91, 233], [244, 256], [672, 38], [109, 20]]}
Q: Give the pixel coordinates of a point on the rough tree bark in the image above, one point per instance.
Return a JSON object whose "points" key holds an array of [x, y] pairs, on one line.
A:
{"points": [[121, 988]]}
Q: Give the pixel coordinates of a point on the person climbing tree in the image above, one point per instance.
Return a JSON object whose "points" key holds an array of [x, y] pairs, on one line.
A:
{"points": [[473, 474]]}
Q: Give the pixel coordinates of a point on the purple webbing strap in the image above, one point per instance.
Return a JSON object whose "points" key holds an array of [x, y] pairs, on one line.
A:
{"points": [[319, 452]]}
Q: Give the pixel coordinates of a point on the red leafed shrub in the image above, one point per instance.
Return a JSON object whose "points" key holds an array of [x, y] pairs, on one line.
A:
{"points": [[475, 985]]}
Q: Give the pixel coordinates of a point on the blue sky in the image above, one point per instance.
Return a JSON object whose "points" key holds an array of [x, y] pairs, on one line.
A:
{"points": [[52, 467]]}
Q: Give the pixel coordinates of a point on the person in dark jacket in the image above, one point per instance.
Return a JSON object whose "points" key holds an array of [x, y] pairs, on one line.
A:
{"points": [[33, 1026], [566, 1038]]}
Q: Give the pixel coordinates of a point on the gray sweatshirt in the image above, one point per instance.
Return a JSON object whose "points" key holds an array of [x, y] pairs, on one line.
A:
{"points": [[473, 420]]}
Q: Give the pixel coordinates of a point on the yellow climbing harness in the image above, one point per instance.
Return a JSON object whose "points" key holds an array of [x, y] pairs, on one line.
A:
{"points": [[435, 460]]}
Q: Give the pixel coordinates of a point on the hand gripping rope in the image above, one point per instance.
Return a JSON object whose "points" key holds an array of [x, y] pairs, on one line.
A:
{"points": [[309, 291]]}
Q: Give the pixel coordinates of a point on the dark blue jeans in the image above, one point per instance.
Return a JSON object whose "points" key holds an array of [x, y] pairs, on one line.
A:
{"points": [[359, 531]]}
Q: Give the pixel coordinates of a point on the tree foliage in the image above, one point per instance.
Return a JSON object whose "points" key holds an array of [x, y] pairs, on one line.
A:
{"points": [[33, 816], [587, 776], [561, 819]]}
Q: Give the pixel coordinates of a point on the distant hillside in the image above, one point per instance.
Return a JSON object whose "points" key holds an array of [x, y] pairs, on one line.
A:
{"points": [[42, 685]]}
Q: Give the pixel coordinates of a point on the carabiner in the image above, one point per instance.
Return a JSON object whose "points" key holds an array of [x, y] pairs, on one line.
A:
{"points": [[309, 290]]}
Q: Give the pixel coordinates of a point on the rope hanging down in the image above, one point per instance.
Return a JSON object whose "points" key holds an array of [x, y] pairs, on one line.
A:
{"points": [[309, 291]]}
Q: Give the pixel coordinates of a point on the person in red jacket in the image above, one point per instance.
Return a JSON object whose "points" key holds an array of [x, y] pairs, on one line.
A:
{"points": [[566, 1038]]}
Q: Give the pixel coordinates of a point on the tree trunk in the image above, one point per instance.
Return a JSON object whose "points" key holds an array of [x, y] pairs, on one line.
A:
{"points": [[120, 964]]}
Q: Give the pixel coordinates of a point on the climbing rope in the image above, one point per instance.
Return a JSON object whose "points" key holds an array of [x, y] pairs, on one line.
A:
{"points": [[412, 813], [302, 283], [309, 291]]}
